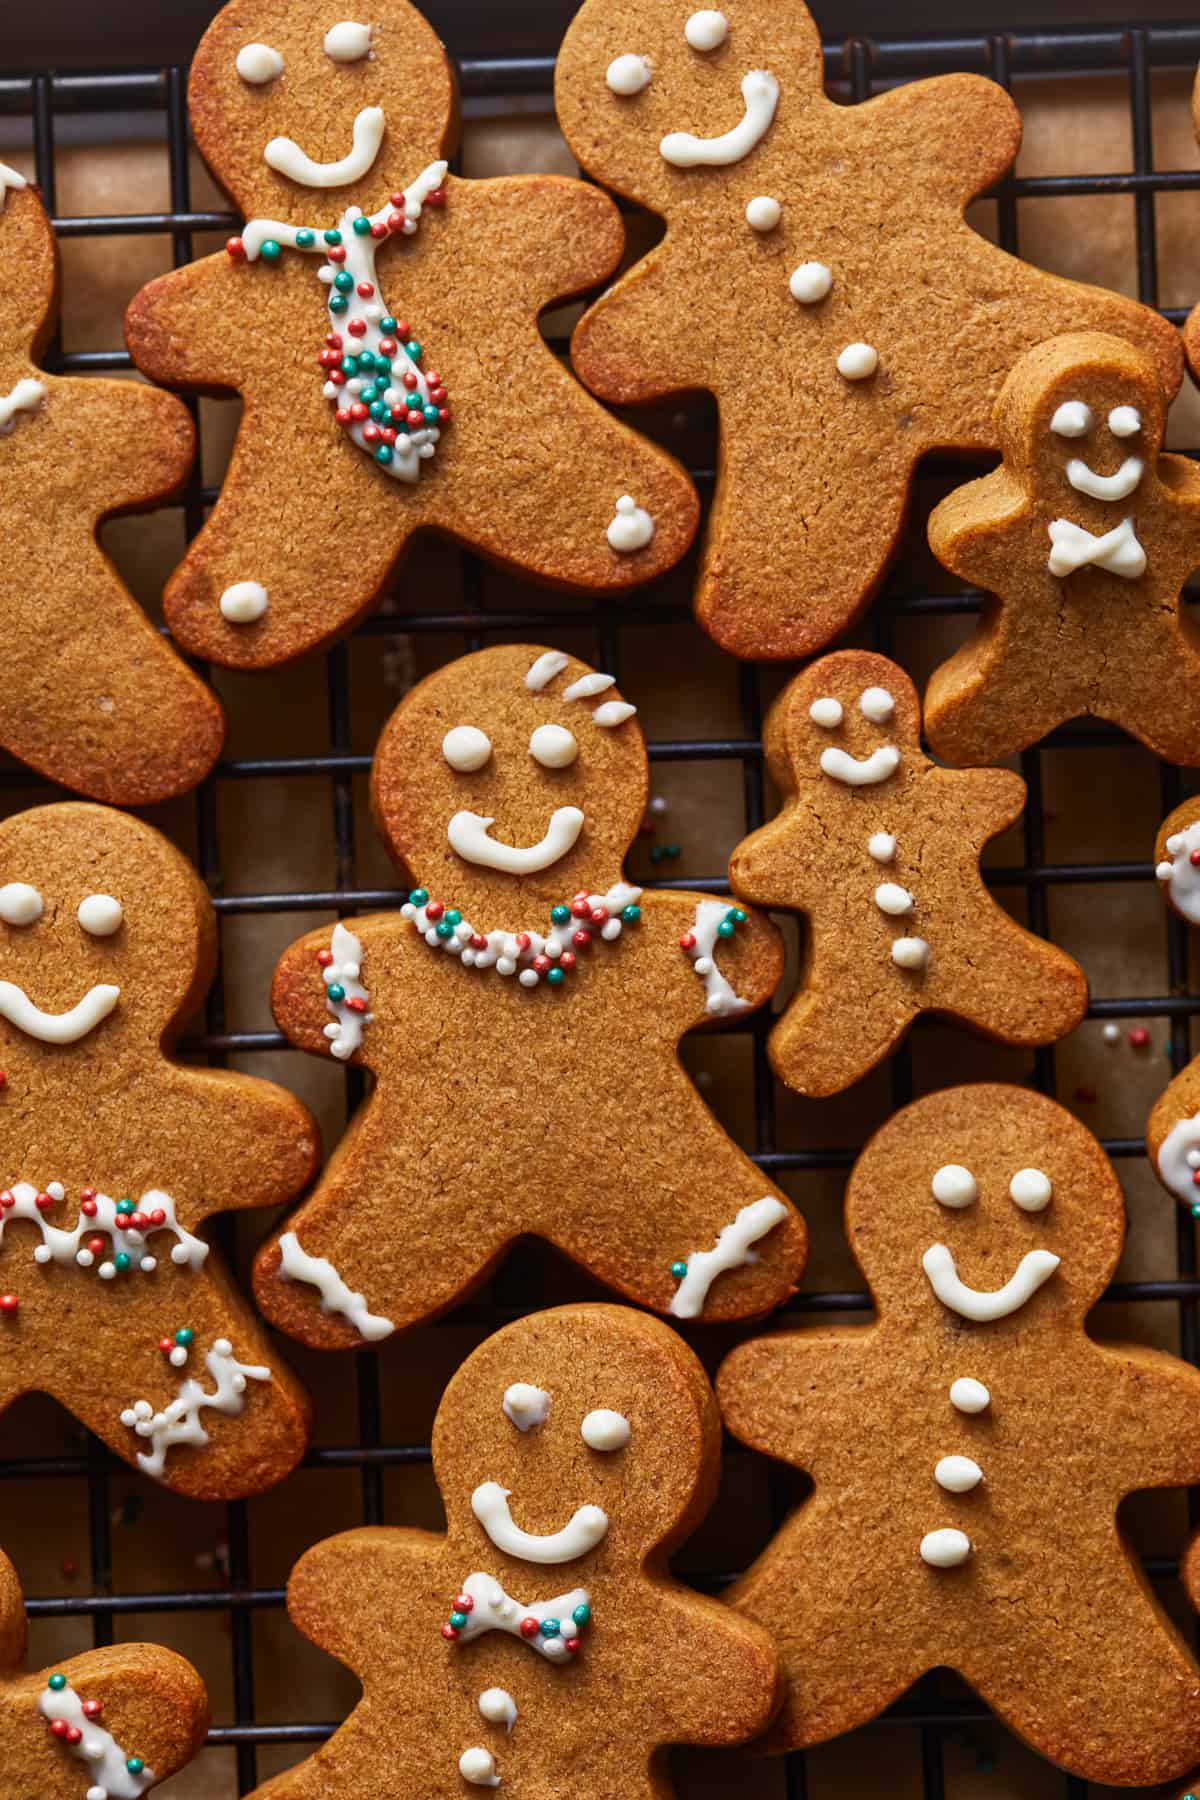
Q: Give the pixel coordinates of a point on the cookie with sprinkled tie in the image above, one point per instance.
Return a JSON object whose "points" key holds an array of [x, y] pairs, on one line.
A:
{"points": [[970, 1449], [113, 1155], [107, 1725], [879, 847], [574, 1451], [91, 694], [379, 318], [817, 277], [521, 1013]]}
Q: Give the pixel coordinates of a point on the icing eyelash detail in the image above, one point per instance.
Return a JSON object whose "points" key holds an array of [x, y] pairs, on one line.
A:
{"points": [[551, 663]]}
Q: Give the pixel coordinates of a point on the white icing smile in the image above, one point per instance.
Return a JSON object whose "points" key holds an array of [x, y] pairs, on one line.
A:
{"points": [[1033, 1269], [287, 158], [57, 1028], [760, 91], [468, 834], [1106, 487], [582, 1532], [855, 773]]}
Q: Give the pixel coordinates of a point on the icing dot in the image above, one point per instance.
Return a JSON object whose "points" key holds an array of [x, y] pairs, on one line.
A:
{"points": [[1031, 1190], [910, 953], [631, 527], [479, 1766], [605, 1430], [969, 1395], [1123, 421], [244, 602], [498, 1707], [706, 30], [1193, 1159], [955, 1186], [347, 41], [466, 748], [826, 712], [764, 214], [523, 1403], [553, 746], [20, 904], [810, 283], [877, 705], [1112, 1033], [882, 846], [857, 361], [1072, 419], [100, 914], [257, 63], [946, 1548], [1163, 872], [957, 1474], [892, 899], [628, 74]]}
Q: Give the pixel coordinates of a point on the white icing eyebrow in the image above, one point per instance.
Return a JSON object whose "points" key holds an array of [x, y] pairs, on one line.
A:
{"points": [[587, 686], [542, 672], [612, 713], [258, 63], [347, 42], [1072, 419]]}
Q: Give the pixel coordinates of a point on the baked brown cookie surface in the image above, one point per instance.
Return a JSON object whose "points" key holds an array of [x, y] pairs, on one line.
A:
{"points": [[1084, 538], [541, 1644], [379, 319], [817, 277], [112, 1156], [970, 1449], [879, 847], [110, 1724], [522, 1017], [90, 693]]}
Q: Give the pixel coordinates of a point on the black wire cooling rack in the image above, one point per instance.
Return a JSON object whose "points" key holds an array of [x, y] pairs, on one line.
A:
{"points": [[853, 70]]}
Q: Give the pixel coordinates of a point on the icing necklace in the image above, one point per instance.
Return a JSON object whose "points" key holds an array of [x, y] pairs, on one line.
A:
{"points": [[573, 927], [386, 404]]}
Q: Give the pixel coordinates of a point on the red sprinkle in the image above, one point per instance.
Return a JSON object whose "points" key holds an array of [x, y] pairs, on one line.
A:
{"points": [[87, 1193], [324, 957], [541, 964], [74, 1734], [59, 1727], [357, 328], [395, 221], [402, 329], [567, 960], [572, 1644], [397, 199], [166, 1345], [359, 410], [96, 1246], [88, 1208], [1194, 858], [336, 253], [9, 1304], [235, 249], [529, 1628], [138, 1221], [463, 1603], [1139, 1037], [7, 1199], [449, 1633], [581, 939], [478, 941], [579, 907], [434, 909], [688, 941], [158, 1216], [379, 231], [43, 1202], [370, 434], [436, 197], [365, 289], [334, 339], [92, 1708], [388, 346], [356, 1005], [523, 940]]}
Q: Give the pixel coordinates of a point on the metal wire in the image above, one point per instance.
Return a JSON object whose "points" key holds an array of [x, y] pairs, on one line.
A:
{"points": [[853, 69]]}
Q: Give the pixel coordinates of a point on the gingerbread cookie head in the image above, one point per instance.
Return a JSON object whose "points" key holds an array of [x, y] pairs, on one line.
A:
{"points": [[986, 1209], [286, 100], [514, 775], [594, 1458]]}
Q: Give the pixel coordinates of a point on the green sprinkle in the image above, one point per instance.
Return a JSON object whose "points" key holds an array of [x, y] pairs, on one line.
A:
{"points": [[679, 1270], [418, 897], [726, 928], [362, 227], [305, 239], [458, 1620], [387, 326], [134, 1764], [57, 1682], [549, 1628], [443, 927], [333, 237], [555, 977], [384, 456], [270, 251], [336, 992], [343, 281], [378, 411], [184, 1335], [737, 915], [560, 915], [338, 303], [631, 914], [582, 1614], [413, 349], [453, 916], [121, 1259], [1195, 1215]]}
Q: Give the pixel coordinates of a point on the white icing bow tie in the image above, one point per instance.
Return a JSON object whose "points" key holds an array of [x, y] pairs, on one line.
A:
{"points": [[1118, 550]]}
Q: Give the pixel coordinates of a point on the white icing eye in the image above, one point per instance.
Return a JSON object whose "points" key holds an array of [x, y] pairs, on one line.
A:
{"points": [[100, 914], [466, 749], [20, 904], [605, 1430], [706, 30], [525, 1405], [1030, 1189], [954, 1186], [258, 63], [1072, 419], [628, 74], [348, 42], [1123, 421], [553, 746], [826, 712], [876, 704]]}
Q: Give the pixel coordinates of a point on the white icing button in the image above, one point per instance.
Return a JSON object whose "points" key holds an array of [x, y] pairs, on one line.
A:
{"points": [[1031, 1190], [764, 214], [968, 1395], [1123, 421], [958, 1474], [257, 63], [706, 30], [553, 746], [1072, 419], [348, 41], [244, 602], [857, 361], [894, 900], [498, 1707], [466, 748], [100, 914], [525, 1405], [826, 712], [810, 283], [20, 904], [876, 704], [882, 846], [953, 1185], [605, 1430], [628, 74], [478, 1766], [946, 1548], [631, 527], [910, 953]]}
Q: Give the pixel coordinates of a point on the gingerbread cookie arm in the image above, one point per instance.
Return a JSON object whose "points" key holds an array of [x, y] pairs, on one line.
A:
{"points": [[723, 959], [696, 1632], [627, 349], [305, 973], [13, 1629], [260, 1145], [1162, 1396], [979, 130], [177, 327], [778, 1394], [349, 1593]]}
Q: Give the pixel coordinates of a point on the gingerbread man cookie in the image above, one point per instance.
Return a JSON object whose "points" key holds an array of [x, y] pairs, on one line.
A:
{"points": [[1177, 859], [880, 848], [522, 1017], [970, 1450], [541, 1645], [1084, 536], [112, 1156], [92, 695], [817, 277], [107, 1725], [408, 384]]}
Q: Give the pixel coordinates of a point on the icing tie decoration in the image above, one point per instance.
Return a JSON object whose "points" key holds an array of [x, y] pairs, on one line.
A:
{"points": [[386, 404], [179, 1423], [574, 928], [116, 1774], [126, 1224], [297, 1265], [551, 1627], [1117, 550], [587, 1527], [714, 920], [731, 1251], [345, 995]]}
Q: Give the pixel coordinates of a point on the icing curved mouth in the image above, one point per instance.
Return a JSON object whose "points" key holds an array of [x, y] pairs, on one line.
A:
{"points": [[468, 834], [1035, 1267], [582, 1532], [760, 91], [57, 1028], [860, 773], [286, 157], [1106, 487]]}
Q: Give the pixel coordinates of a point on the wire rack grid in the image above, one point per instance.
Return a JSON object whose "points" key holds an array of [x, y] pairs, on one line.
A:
{"points": [[854, 69]]}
